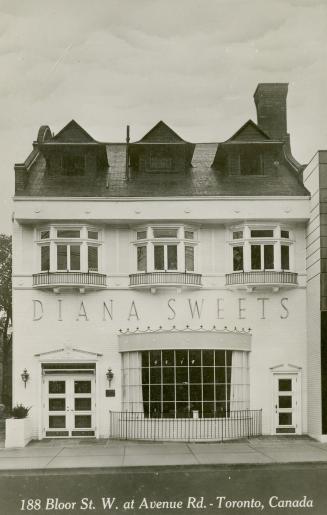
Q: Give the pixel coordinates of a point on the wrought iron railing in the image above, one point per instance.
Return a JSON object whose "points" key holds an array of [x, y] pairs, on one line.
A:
{"points": [[135, 426], [261, 277], [53, 279], [164, 278]]}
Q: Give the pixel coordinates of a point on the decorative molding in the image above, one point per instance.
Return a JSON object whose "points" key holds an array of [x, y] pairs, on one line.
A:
{"points": [[186, 329]]}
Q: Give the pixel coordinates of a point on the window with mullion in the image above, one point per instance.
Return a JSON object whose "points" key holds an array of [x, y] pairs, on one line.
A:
{"points": [[69, 249], [177, 382], [260, 249], [68, 257], [262, 257], [165, 257]]}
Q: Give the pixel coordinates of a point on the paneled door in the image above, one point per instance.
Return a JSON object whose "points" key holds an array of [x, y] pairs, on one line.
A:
{"points": [[69, 405], [286, 403]]}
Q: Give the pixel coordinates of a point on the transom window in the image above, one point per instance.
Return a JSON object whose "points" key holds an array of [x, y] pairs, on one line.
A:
{"points": [[266, 248], [165, 249], [69, 249]]}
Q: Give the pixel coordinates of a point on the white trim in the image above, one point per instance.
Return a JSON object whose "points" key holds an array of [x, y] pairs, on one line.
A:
{"points": [[296, 372], [67, 352], [145, 199], [219, 339]]}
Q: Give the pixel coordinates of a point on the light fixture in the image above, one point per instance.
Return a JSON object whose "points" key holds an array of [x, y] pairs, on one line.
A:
{"points": [[109, 375], [25, 376]]}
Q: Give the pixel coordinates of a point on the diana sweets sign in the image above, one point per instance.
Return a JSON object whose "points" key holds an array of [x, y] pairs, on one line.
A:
{"points": [[255, 308]]}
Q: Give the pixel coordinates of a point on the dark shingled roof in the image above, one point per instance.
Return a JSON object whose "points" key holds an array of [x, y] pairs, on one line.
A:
{"points": [[199, 180]]}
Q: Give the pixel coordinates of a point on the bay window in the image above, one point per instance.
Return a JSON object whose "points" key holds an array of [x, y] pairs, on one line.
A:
{"points": [[165, 249], [68, 249], [260, 249]]}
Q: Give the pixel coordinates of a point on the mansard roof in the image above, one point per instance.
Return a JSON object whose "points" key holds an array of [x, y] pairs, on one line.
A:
{"points": [[199, 180], [201, 170]]}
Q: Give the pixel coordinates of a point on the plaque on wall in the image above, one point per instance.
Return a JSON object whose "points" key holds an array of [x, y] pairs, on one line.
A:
{"points": [[110, 393]]}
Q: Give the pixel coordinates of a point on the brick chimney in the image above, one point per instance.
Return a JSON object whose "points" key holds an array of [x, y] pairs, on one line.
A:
{"points": [[270, 101]]}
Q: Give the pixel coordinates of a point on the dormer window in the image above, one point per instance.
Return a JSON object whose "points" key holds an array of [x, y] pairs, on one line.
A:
{"points": [[160, 161], [251, 162], [73, 164], [160, 151]]}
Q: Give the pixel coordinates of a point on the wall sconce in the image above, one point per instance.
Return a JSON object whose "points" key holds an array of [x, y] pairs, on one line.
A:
{"points": [[110, 376], [25, 376]]}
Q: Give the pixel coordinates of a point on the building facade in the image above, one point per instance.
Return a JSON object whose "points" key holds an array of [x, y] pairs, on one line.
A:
{"points": [[164, 281]]}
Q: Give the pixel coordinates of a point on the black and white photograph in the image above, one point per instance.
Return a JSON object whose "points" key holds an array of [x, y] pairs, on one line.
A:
{"points": [[163, 257]]}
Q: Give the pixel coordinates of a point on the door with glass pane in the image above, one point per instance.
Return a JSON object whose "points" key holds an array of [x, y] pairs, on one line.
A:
{"points": [[286, 405], [69, 405]]}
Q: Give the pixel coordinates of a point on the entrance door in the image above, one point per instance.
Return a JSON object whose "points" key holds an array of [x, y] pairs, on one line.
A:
{"points": [[69, 405], [286, 404]]}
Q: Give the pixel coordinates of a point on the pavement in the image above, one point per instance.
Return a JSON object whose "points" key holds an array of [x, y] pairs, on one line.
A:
{"points": [[88, 453]]}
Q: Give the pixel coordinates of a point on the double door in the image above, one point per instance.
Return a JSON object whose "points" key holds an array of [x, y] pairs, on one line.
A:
{"points": [[69, 405]]}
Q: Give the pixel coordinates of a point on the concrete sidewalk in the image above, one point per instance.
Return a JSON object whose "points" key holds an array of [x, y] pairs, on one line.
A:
{"points": [[58, 454]]}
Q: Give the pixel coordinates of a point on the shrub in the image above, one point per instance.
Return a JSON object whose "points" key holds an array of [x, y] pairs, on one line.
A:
{"points": [[19, 411]]}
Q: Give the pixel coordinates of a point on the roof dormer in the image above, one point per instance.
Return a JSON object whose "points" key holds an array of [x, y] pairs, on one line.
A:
{"points": [[72, 152], [161, 150]]}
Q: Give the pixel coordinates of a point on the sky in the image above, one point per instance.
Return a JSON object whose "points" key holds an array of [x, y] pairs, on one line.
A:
{"points": [[193, 63]]}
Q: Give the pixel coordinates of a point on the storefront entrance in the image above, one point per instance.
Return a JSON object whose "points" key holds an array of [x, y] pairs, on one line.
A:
{"points": [[69, 405], [286, 404]]}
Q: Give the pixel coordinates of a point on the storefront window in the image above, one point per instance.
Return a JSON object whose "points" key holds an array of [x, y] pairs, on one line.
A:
{"points": [[175, 383]]}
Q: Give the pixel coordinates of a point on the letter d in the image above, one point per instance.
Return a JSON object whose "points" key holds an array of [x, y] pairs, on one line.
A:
{"points": [[37, 310]]}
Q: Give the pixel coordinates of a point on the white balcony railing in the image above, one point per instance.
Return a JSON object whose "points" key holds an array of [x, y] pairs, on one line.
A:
{"points": [[69, 279], [262, 277], [154, 279]]}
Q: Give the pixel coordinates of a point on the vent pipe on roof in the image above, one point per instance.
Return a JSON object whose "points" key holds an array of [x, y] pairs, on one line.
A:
{"points": [[127, 154]]}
